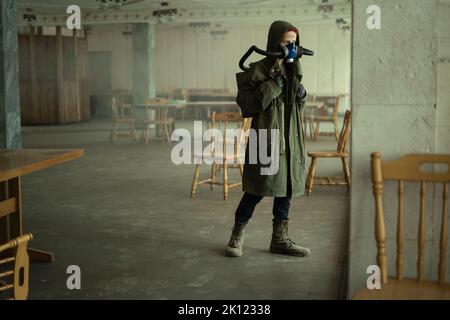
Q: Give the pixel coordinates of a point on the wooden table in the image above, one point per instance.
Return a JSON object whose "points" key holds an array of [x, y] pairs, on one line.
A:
{"points": [[13, 165], [160, 117], [209, 104], [149, 106]]}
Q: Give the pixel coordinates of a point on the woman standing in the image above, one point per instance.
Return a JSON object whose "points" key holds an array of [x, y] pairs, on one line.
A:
{"points": [[272, 94]]}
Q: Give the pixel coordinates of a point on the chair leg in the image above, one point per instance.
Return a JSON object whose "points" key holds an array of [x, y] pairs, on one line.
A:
{"points": [[133, 131], [213, 175], [346, 172], [169, 131], [336, 130], [225, 180], [194, 181], [311, 174], [172, 129], [316, 131], [157, 130], [147, 135], [113, 136], [241, 169], [144, 132], [142, 135], [164, 132]]}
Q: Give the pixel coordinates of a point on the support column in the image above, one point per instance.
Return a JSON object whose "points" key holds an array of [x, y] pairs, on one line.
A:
{"points": [[10, 131], [60, 76], [36, 113], [394, 112], [77, 73], [143, 62]]}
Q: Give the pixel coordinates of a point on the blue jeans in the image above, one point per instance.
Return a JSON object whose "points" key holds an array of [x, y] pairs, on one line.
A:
{"points": [[280, 209]]}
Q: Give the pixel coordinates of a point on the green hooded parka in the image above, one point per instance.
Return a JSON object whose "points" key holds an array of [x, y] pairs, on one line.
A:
{"points": [[260, 98]]}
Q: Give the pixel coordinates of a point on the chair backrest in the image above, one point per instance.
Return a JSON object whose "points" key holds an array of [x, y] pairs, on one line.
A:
{"points": [[162, 110], [19, 271], [345, 132], [185, 94], [408, 169], [223, 121], [119, 95]]}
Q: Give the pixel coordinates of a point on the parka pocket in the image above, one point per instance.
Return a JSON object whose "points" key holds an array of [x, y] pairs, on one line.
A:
{"points": [[269, 120]]}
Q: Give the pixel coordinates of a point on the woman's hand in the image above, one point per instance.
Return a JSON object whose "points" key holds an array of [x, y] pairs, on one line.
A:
{"points": [[301, 92], [279, 81]]}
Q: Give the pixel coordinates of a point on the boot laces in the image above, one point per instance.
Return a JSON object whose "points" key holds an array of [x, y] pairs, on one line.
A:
{"points": [[236, 237], [234, 244], [290, 242]]}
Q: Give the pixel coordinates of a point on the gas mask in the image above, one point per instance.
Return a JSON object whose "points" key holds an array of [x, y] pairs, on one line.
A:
{"points": [[288, 53]]}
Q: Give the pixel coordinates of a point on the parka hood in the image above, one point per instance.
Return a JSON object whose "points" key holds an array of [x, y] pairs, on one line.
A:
{"points": [[276, 31]]}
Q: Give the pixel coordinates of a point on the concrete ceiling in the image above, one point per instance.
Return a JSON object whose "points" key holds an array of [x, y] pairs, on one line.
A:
{"points": [[53, 12], [55, 6]]}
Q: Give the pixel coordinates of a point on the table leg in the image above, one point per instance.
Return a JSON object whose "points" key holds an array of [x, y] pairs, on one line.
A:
{"points": [[4, 219], [15, 218], [11, 224], [4, 229], [147, 134], [11, 220]]}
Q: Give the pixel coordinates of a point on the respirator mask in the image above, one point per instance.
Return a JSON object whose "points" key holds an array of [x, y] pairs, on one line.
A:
{"points": [[288, 53]]}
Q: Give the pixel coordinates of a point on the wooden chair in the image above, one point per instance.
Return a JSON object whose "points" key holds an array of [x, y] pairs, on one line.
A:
{"points": [[222, 158], [164, 124], [17, 264], [340, 152], [124, 103], [407, 169], [325, 117], [118, 118]]}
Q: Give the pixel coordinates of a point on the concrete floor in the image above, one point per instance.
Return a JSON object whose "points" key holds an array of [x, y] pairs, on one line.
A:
{"points": [[123, 214]]}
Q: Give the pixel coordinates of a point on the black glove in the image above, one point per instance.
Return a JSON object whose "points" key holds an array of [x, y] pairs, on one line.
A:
{"points": [[301, 92], [279, 81]]}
